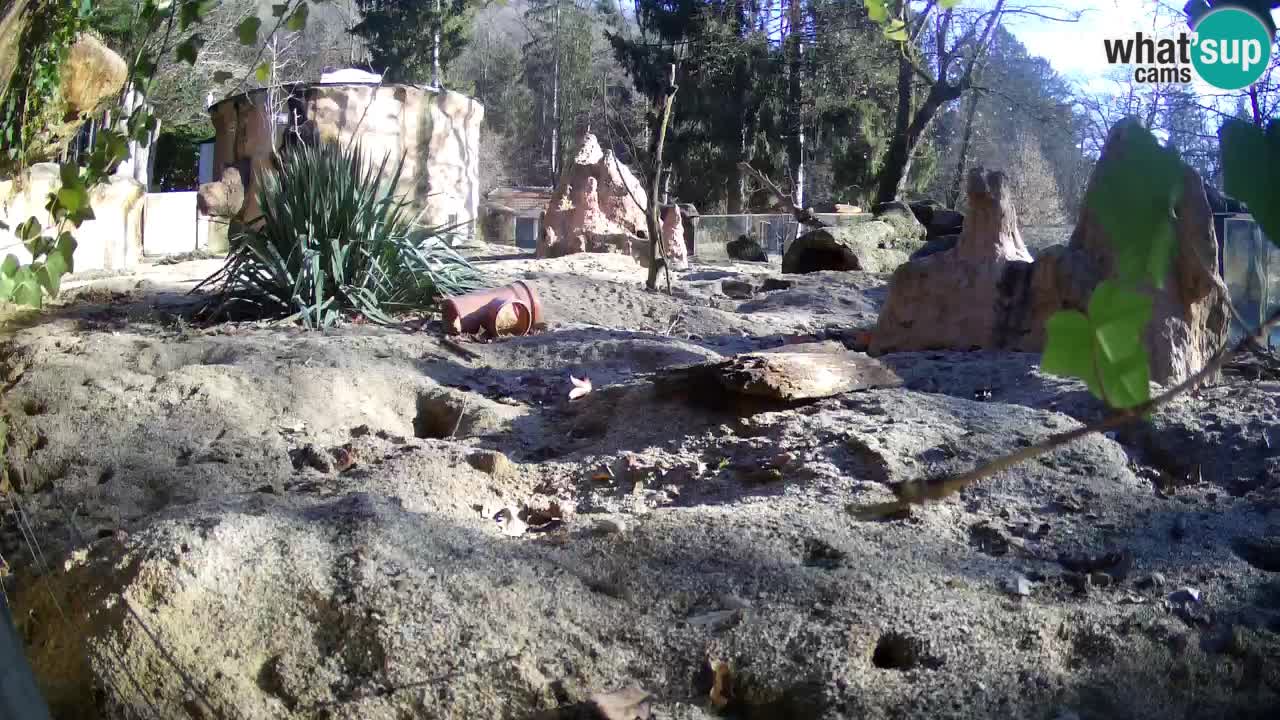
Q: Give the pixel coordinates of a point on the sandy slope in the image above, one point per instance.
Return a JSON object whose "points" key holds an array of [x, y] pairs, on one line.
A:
{"points": [[165, 471]]}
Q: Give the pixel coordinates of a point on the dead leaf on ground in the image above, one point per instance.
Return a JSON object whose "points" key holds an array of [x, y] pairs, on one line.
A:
{"points": [[628, 703], [581, 386], [721, 684]]}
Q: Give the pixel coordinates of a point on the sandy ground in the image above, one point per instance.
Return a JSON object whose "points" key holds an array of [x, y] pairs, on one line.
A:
{"points": [[248, 521]]}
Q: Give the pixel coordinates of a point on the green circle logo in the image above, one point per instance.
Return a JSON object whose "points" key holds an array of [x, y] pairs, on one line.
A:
{"points": [[1232, 48]]}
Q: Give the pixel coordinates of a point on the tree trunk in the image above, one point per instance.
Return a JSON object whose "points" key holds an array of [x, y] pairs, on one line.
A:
{"points": [[653, 226], [792, 109], [909, 129], [953, 196], [555, 105]]}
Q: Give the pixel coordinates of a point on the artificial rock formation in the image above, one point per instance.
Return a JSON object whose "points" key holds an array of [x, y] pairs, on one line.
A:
{"points": [[673, 245], [878, 244], [747, 249], [986, 292], [222, 198], [597, 207], [437, 133]]}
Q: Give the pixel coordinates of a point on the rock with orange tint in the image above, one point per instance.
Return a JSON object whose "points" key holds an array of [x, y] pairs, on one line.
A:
{"points": [[598, 202]]}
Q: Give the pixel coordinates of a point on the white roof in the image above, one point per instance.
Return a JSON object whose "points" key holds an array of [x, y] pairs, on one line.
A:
{"points": [[349, 75]]}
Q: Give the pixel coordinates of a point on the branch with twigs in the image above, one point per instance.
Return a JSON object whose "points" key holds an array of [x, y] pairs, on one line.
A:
{"points": [[926, 490], [802, 215]]}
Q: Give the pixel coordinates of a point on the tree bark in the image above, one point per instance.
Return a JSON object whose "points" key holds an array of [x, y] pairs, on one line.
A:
{"points": [[910, 128], [792, 109], [953, 196], [657, 261]]}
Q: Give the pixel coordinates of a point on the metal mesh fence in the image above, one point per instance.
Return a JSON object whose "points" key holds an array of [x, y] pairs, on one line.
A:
{"points": [[1250, 266], [773, 232]]}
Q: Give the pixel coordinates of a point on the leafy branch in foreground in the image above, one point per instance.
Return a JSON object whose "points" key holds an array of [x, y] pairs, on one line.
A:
{"points": [[1133, 200], [333, 240], [1104, 347]]}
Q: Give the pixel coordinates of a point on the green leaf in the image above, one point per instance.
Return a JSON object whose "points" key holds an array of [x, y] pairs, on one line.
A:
{"points": [[948, 4], [1118, 316], [145, 67], [69, 174], [58, 263], [8, 269], [1133, 197], [188, 50], [298, 19], [27, 291], [29, 230], [1068, 348], [1251, 171], [1128, 382], [73, 199], [877, 11], [188, 15], [247, 30], [222, 76], [896, 30], [263, 73]]}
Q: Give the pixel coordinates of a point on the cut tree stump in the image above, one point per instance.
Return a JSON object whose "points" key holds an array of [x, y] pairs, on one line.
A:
{"points": [[787, 374]]}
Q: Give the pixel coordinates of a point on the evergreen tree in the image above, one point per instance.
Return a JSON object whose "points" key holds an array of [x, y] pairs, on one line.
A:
{"points": [[407, 38]]}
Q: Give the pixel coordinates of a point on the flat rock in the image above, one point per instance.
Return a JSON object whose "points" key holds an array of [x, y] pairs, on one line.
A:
{"points": [[793, 372]]}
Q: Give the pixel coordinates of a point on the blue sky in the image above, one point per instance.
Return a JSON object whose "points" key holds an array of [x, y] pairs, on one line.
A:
{"points": [[1075, 49]]}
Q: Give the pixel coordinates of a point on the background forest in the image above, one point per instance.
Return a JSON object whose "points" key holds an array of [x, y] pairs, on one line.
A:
{"points": [[807, 91]]}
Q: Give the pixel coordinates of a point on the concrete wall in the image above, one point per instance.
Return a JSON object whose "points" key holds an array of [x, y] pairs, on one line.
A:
{"points": [[169, 223], [111, 241], [437, 132]]}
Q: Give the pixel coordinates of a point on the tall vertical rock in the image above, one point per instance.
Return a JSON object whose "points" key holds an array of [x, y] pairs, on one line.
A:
{"points": [[986, 293], [598, 206]]}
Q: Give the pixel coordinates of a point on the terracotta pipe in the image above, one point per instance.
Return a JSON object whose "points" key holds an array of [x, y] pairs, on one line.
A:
{"points": [[508, 317], [473, 311]]}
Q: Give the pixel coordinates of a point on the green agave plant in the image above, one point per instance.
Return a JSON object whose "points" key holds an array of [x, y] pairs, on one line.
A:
{"points": [[334, 240]]}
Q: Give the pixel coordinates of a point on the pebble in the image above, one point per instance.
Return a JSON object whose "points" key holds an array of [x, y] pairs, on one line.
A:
{"points": [[1154, 580], [1019, 585], [1184, 595], [737, 289], [610, 525], [490, 462]]}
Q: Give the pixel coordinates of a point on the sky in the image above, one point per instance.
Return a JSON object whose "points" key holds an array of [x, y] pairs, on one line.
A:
{"points": [[1075, 49]]}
